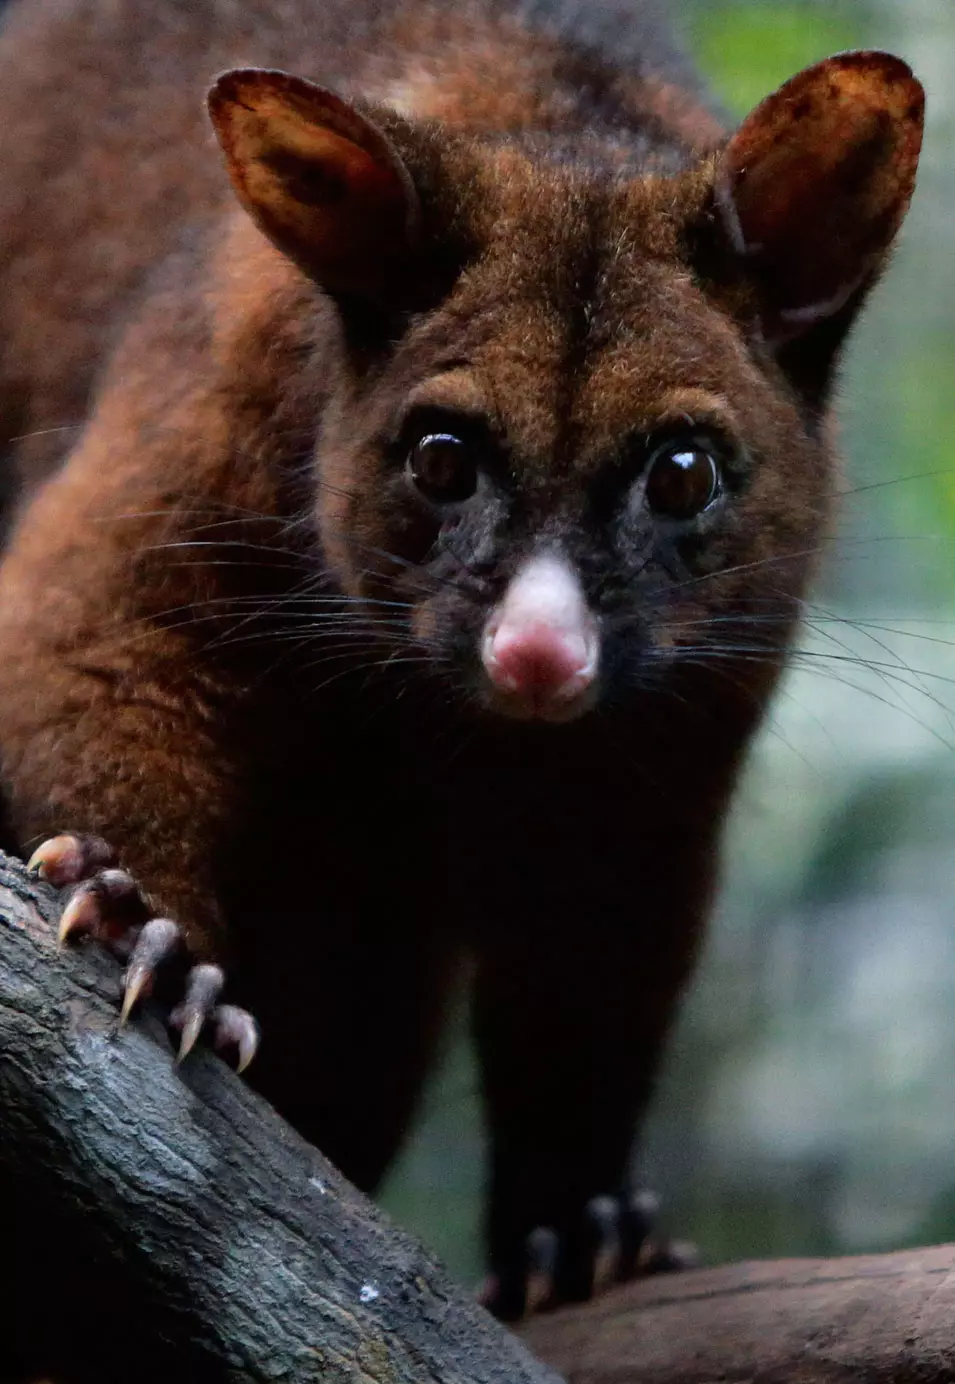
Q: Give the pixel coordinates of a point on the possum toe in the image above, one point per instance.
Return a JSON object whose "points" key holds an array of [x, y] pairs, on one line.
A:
{"points": [[233, 1031], [612, 1240], [108, 906], [69, 858], [160, 942]]}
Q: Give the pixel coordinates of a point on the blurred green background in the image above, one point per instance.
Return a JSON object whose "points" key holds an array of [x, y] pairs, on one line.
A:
{"points": [[807, 1106]]}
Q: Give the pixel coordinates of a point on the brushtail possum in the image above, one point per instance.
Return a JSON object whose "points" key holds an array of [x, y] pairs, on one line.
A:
{"points": [[417, 455]]}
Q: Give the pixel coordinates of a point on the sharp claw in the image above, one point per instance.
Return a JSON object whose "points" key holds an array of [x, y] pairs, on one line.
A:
{"points": [[248, 1047], [138, 979], [539, 1290], [202, 990], [190, 1033], [542, 1250], [37, 861], [56, 860], [603, 1217], [80, 915], [68, 858], [235, 1028]]}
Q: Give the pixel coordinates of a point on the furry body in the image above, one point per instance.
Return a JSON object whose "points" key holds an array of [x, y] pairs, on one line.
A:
{"points": [[312, 783]]}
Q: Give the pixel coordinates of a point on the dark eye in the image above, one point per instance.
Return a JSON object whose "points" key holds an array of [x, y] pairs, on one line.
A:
{"points": [[682, 481], [443, 468]]}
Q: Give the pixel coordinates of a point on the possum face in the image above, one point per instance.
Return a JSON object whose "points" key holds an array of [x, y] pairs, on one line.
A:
{"points": [[590, 455], [575, 496]]}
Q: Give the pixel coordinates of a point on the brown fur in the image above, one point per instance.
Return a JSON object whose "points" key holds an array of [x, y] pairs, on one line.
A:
{"points": [[332, 823]]}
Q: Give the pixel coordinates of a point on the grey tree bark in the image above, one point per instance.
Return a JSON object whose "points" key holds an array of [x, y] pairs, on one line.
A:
{"points": [[161, 1222]]}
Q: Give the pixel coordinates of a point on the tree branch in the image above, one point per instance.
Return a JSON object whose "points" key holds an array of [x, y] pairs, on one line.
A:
{"points": [[161, 1222], [874, 1319]]}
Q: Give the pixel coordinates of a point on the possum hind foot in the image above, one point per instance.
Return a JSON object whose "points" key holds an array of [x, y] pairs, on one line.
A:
{"points": [[614, 1240], [107, 904]]}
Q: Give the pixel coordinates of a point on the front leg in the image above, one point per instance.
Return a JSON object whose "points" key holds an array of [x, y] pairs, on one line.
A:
{"points": [[570, 1023], [117, 721], [121, 790]]}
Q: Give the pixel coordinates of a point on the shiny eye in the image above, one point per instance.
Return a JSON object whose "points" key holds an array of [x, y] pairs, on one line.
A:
{"points": [[682, 481], [443, 468]]}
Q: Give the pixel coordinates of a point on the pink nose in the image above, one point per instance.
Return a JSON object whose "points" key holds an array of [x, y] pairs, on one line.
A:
{"points": [[538, 662], [541, 644]]}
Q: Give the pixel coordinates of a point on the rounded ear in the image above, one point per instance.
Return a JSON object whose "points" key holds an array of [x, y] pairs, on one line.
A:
{"points": [[815, 183], [326, 186]]}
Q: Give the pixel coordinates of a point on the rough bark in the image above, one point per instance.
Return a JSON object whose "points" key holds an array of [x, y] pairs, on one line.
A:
{"points": [[874, 1319], [160, 1222]]}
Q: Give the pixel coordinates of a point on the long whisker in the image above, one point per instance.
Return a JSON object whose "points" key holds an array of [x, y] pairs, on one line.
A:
{"points": [[46, 432], [820, 663], [894, 480]]}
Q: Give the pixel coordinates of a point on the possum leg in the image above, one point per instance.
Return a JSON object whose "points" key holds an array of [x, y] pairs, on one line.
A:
{"points": [[569, 1032]]}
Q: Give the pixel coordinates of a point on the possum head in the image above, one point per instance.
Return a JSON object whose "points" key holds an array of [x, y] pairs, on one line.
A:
{"points": [[587, 447]]}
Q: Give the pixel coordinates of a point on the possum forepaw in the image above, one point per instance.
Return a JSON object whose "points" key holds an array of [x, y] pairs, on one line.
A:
{"points": [[612, 1240], [108, 905]]}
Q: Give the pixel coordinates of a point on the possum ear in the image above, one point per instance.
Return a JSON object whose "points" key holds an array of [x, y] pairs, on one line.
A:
{"points": [[326, 186], [816, 181]]}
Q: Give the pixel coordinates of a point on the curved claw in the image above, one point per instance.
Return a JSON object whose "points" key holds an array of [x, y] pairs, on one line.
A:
{"points": [[138, 982], [189, 1035], [58, 857], [81, 915], [108, 905], [159, 940], [69, 858], [603, 1217], [203, 988], [237, 1029], [542, 1250]]}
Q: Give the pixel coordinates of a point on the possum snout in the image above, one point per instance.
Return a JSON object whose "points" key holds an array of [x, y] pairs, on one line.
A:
{"points": [[541, 645]]}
